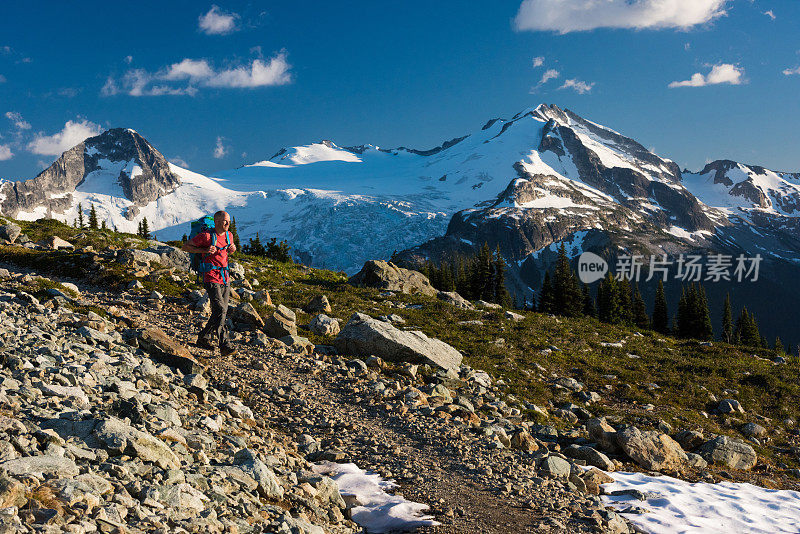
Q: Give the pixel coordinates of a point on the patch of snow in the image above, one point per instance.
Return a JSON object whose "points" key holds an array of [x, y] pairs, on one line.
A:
{"points": [[677, 506], [377, 511]]}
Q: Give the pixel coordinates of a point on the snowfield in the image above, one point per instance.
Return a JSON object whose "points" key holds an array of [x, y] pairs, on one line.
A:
{"points": [[677, 507]]}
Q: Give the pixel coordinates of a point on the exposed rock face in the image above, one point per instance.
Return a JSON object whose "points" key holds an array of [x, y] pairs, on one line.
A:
{"points": [[9, 232], [365, 336], [652, 450], [726, 451], [451, 297], [387, 275], [69, 171]]}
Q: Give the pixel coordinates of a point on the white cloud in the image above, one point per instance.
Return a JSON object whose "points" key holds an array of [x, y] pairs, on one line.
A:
{"points": [[566, 16], [220, 150], [549, 74], [128, 59], [789, 72], [538, 62], [2, 79], [5, 153], [578, 86], [19, 122], [770, 14], [73, 133], [184, 77], [179, 161], [217, 22], [722, 73]]}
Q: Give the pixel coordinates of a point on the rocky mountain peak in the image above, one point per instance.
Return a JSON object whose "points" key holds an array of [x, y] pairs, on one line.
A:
{"points": [[119, 156]]}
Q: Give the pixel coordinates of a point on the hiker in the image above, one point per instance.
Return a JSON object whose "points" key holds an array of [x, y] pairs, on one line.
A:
{"points": [[214, 245]]}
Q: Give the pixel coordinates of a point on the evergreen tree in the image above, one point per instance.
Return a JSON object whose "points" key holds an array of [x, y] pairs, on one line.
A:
{"points": [[139, 229], [660, 312], [746, 331], [640, 317], [185, 238], [625, 302], [103, 225], [567, 292], [694, 319], [93, 218], [588, 302], [546, 296], [727, 320], [80, 215], [501, 294], [278, 251], [255, 247], [705, 330], [779, 349], [235, 234], [145, 229], [610, 300]]}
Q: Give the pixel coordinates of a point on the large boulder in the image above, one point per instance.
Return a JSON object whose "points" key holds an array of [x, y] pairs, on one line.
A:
{"points": [[451, 297], [166, 350], [246, 314], [387, 275], [318, 304], [324, 326], [170, 256], [281, 323], [651, 449], [120, 438], [9, 232], [364, 336], [730, 452]]}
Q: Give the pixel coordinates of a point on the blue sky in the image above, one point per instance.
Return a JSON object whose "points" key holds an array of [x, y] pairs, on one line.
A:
{"points": [[215, 86]]}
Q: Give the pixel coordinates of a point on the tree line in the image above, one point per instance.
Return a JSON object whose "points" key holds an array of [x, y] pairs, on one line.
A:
{"points": [[621, 302]]}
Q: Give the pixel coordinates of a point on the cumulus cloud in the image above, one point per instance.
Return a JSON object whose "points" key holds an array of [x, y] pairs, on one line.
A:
{"points": [[5, 153], [578, 86], [722, 73], [179, 161], [549, 74], [73, 133], [217, 22], [538, 62], [789, 72], [770, 14], [220, 150], [566, 16], [184, 77], [19, 122]]}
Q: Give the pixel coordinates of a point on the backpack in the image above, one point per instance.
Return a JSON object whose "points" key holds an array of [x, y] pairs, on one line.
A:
{"points": [[196, 259]]}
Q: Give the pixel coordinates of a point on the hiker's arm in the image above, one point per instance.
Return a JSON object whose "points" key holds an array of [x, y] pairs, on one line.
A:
{"points": [[188, 247]]}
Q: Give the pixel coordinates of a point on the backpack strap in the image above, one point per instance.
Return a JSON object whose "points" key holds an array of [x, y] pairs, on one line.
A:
{"points": [[207, 267]]}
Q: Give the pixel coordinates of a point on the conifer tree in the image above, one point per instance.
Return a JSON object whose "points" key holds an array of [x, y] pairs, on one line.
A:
{"points": [[705, 330], [93, 218], [609, 305], [779, 349], [501, 294], [746, 331], [640, 317], [588, 302], [567, 293], [80, 215], [727, 320], [660, 312], [145, 229], [103, 225], [139, 229], [235, 235], [546, 297]]}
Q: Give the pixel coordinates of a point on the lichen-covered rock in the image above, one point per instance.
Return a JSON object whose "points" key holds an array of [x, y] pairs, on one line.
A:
{"points": [[651, 449], [723, 450], [386, 275]]}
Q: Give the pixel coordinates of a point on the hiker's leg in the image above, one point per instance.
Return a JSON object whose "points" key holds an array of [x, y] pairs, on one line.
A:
{"points": [[225, 295], [212, 328], [205, 332]]}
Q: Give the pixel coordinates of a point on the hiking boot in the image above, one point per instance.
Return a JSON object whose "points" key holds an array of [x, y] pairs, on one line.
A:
{"points": [[227, 350], [204, 344]]}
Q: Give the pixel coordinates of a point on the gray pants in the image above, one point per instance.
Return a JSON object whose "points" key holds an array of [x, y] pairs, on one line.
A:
{"points": [[215, 329]]}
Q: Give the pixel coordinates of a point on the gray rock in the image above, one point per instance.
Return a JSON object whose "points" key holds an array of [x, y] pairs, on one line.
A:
{"points": [[120, 438], [516, 317], [281, 323], [453, 298], [41, 465], [729, 406], [324, 326], [723, 450], [590, 456], [555, 466], [268, 485], [10, 232], [386, 275], [318, 304], [246, 314], [652, 450], [689, 439], [364, 336], [696, 461], [753, 430]]}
